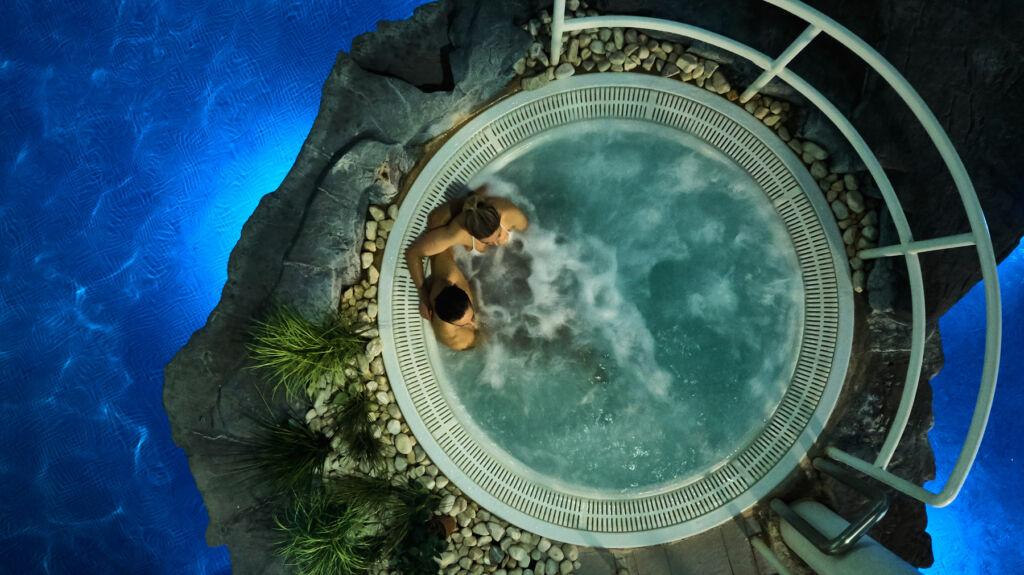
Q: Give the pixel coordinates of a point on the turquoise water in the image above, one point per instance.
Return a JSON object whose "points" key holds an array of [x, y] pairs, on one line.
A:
{"points": [[645, 327]]}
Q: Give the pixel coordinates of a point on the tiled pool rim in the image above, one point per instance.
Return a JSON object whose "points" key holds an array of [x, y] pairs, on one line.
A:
{"points": [[677, 511]]}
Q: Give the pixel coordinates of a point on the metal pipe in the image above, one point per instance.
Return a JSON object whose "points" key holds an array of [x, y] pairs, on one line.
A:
{"points": [[865, 557], [920, 246], [982, 240], [557, 27], [780, 63], [899, 220], [897, 483], [842, 542], [769, 556]]}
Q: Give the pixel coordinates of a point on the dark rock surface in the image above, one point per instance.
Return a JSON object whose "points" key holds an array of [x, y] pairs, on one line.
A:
{"points": [[422, 43], [301, 245], [411, 81], [870, 397]]}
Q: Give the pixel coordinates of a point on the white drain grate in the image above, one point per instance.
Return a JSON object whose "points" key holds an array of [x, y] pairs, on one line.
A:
{"points": [[678, 511]]}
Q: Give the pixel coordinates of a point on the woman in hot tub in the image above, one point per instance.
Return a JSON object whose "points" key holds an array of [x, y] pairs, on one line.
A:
{"points": [[474, 222]]}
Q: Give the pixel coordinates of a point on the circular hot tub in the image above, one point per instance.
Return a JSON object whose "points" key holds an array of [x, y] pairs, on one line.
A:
{"points": [[648, 373]]}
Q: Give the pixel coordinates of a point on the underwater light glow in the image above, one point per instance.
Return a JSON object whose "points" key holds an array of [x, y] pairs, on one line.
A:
{"points": [[976, 533], [136, 139]]}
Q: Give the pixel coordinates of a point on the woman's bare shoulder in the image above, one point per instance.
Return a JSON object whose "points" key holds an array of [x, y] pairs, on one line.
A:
{"points": [[516, 219], [439, 239], [499, 202]]}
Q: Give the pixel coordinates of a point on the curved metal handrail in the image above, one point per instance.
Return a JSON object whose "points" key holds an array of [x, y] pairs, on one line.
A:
{"points": [[907, 247]]}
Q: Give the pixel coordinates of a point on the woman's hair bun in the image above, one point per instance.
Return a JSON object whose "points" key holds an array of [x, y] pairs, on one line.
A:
{"points": [[472, 201]]}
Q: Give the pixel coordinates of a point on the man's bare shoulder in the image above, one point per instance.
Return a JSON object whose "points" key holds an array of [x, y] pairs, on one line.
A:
{"points": [[463, 340], [455, 337]]}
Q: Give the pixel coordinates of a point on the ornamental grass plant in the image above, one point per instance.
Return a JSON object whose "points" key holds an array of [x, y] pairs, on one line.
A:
{"points": [[357, 432], [285, 454], [402, 508], [299, 352], [406, 512], [323, 535]]}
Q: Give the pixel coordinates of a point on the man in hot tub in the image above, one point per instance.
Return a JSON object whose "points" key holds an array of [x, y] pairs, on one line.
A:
{"points": [[450, 304], [475, 221]]}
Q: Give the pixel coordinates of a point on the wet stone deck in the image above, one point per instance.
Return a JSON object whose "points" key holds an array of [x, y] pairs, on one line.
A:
{"points": [[720, 551]]}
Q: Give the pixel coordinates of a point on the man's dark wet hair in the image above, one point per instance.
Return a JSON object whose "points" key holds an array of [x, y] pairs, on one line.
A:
{"points": [[451, 304]]}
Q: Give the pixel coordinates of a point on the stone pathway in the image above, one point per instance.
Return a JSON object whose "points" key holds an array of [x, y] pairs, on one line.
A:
{"points": [[721, 551]]}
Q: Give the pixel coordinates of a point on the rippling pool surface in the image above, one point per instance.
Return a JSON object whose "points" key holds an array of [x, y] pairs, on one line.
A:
{"points": [[135, 140], [646, 325]]}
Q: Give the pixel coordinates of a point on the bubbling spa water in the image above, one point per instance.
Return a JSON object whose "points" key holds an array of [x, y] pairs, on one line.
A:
{"points": [[644, 328]]}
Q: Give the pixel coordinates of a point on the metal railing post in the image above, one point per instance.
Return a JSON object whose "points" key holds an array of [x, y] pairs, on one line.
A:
{"points": [[908, 248], [945, 243], [780, 63], [982, 240], [843, 542], [557, 27], [768, 555]]}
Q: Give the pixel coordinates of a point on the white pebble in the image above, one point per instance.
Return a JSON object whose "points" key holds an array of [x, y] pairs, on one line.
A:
{"points": [[818, 169], [816, 151], [448, 558], [496, 531], [840, 210], [519, 554], [855, 201], [403, 444], [394, 427], [555, 552], [447, 503], [374, 348], [858, 281]]}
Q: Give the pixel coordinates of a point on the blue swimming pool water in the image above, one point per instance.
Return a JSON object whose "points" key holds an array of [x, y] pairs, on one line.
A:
{"points": [[135, 138], [977, 533]]}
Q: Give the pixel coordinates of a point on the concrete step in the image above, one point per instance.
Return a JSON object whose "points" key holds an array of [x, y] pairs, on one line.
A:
{"points": [[720, 551]]}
